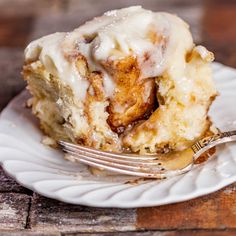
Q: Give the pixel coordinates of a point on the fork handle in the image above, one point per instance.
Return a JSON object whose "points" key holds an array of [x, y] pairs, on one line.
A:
{"points": [[206, 143]]}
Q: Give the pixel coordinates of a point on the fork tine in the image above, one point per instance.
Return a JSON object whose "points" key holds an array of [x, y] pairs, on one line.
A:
{"points": [[112, 159], [110, 154], [127, 169], [112, 164], [121, 171]]}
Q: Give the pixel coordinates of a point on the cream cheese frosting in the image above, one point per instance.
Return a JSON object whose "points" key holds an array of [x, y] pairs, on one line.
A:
{"points": [[115, 35], [136, 80]]}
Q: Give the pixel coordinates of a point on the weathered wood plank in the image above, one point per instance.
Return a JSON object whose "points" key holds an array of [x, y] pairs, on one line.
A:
{"points": [[17, 19], [28, 233], [217, 22], [13, 210], [162, 233], [10, 185], [81, 11], [11, 61], [29, 7], [47, 214], [10, 26], [214, 211], [219, 30], [142, 233]]}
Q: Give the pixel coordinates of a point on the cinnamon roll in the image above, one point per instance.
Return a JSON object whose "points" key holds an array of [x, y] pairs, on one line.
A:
{"points": [[131, 79]]}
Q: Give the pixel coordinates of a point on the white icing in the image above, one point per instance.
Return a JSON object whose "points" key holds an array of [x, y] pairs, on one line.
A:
{"points": [[204, 53], [48, 50], [108, 84], [114, 35]]}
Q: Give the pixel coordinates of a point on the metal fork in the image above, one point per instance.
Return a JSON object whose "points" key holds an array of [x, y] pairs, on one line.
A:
{"points": [[148, 166]]}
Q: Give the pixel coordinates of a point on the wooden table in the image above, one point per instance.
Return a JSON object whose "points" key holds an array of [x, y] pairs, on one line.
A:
{"points": [[23, 212]]}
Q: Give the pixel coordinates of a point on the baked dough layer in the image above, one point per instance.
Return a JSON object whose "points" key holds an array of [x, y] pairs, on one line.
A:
{"points": [[130, 79]]}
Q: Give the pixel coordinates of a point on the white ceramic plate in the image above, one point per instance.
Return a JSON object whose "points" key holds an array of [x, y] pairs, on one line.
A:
{"points": [[44, 170]]}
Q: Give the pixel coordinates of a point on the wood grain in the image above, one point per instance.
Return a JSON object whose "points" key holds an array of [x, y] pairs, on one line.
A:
{"points": [[28, 233], [30, 7], [11, 61], [219, 30], [81, 11], [13, 210], [161, 233], [47, 214], [214, 211], [10, 185]]}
